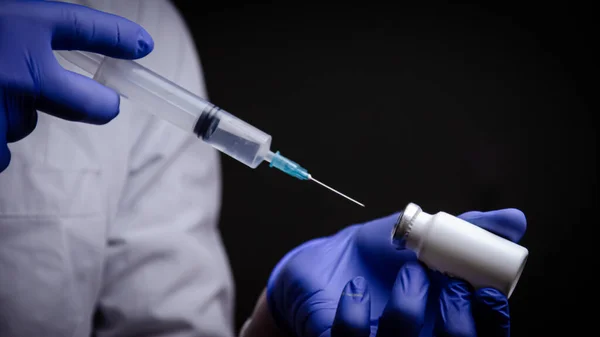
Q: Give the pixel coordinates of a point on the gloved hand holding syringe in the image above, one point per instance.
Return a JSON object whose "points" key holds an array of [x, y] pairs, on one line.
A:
{"points": [[189, 112]]}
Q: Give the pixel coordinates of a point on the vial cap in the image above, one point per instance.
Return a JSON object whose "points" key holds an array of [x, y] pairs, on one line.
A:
{"points": [[403, 224]]}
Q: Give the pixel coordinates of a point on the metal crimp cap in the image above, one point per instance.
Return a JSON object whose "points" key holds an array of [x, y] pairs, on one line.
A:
{"points": [[403, 225]]}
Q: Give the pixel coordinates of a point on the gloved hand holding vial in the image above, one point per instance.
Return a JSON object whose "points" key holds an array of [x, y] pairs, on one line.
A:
{"points": [[356, 283]]}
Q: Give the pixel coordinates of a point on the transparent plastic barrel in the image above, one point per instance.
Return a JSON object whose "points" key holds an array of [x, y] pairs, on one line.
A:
{"points": [[155, 93], [170, 102]]}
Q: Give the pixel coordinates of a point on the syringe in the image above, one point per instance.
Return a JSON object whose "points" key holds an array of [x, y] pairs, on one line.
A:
{"points": [[174, 104]]}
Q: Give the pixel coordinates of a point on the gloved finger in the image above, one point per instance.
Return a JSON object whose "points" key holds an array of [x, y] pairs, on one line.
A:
{"points": [[490, 310], [18, 118], [4, 151], [74, 97], [82, 28], [455, 315], [294, 303], [404, 314], [4, 156], [353, 314], [19, 114], [509, 223]]}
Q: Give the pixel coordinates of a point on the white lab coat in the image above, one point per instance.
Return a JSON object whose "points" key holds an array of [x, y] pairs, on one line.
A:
{"points": [[112, 230]]}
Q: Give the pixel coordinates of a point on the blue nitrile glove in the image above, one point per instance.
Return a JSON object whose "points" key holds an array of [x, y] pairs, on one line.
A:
{"points": [[32, 79], [355, 283]]}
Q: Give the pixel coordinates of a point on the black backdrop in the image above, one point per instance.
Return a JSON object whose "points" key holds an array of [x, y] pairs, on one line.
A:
{"points": [[456, 108]]}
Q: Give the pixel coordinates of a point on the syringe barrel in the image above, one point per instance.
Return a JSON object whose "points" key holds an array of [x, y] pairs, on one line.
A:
{"points": [[167, 100], [153, 92]]}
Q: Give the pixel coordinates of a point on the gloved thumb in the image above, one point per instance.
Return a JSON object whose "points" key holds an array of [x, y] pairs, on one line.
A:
{"points": [[74, 97], [353, 314]]}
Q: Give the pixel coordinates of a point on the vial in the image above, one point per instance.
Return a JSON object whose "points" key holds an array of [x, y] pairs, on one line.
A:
{"points": [[460, 249]]}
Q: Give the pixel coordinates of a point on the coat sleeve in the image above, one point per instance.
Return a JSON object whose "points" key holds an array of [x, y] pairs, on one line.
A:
{"points": [[166, 272]]}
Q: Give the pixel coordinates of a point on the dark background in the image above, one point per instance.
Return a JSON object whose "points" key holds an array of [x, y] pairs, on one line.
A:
{"points": [[454, 107]]}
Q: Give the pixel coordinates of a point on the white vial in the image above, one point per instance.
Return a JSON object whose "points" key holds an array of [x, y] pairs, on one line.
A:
{"points": [[460, 249]]}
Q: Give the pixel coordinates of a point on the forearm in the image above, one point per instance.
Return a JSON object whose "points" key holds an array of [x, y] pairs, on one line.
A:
{"points": [[261, 323]]}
